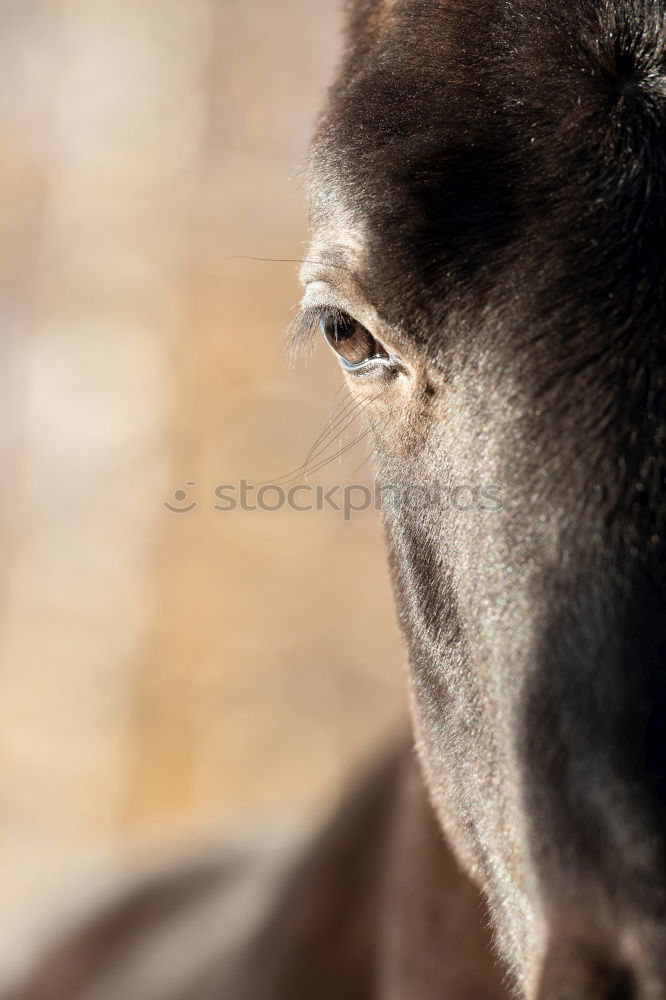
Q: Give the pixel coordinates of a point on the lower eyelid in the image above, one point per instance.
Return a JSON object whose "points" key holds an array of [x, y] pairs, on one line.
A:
{"points": [[353, 368], [388, 365]]}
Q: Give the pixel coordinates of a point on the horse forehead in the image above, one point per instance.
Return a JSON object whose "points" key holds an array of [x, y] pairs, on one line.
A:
{"points": [[451, 127], [412, 162], [406, 205]]}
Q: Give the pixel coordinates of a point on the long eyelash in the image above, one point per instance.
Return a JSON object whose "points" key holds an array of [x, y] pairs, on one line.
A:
{"points": [[301, 333]]}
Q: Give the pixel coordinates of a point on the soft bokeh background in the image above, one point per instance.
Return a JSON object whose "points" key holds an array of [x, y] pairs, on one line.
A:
{"points": [[164, 675]]}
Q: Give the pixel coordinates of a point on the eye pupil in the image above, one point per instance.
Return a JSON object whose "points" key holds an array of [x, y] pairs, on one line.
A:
{"points": [[351, 341], [339, 327]]}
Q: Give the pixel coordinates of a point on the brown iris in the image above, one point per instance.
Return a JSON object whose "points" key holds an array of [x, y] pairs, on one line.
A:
{"points": [[353, 344]]}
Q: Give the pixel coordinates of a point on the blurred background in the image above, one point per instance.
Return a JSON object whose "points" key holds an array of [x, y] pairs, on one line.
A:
{"points": [[167, 674]]}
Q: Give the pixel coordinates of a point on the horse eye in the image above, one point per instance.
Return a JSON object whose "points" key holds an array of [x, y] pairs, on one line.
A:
{"points": [[353, 344]]}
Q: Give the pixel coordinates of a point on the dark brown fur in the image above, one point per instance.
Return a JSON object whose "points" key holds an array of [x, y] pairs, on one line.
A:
{"points": [[491, 177]]}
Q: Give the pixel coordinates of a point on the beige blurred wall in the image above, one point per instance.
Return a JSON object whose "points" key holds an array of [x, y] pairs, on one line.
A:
{"points": [[163, 674]]}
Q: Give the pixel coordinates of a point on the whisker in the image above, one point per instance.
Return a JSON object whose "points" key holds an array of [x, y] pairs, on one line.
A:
{"points": [[315, 447], [342, 451], [347, 419], [331, 424], [359, 467], [325, 262], [306, 470], [346, 410]]}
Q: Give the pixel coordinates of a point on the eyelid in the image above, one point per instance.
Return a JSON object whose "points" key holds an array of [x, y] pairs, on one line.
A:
{"points": [[320, 294], [363, 364]]}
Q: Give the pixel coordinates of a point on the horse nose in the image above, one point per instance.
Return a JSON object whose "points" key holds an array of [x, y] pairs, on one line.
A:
{"points": [[577, 971]]}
